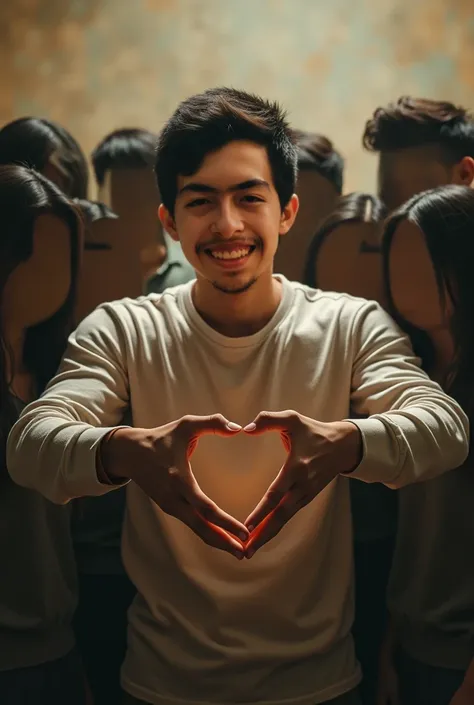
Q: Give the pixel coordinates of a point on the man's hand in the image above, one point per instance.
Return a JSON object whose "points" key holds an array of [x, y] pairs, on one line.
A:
{"points": [[317, 453], [157, 460]]}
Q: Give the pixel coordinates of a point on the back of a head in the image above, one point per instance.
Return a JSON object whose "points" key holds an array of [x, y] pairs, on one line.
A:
{"points": [[49, 149], [415, 122], [344, 255], [428, 253], [319, 184], [40, 241], [317, 153], [419, 141], [206, 122], [127, 148], [123, 164]]}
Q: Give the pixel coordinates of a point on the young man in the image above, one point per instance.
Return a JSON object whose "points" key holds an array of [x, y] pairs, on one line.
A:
{"points": [[319, 185], [238, 529], [135, 148], [421, 144]]}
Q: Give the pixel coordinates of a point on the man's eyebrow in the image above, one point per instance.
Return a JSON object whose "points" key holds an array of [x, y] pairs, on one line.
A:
{"points": [[196, 187]]}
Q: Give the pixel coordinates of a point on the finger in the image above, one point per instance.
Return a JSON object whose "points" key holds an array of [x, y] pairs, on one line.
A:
{"points": [[211, 535], [274, 522], [211, 512], [195, 426], [272, 421], [272, 497]]}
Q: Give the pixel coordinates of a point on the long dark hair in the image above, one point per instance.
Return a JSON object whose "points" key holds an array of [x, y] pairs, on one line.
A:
{"points": [[353, 208], [32, 141], [445, 216], [24, 196]]}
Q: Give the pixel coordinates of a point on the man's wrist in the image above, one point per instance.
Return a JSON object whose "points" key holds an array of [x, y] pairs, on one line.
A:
{"points": [[351, 445], [112, 460]]}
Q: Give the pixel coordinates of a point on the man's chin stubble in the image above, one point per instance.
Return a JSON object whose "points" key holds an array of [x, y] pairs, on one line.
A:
{"points": [[237, 290]]}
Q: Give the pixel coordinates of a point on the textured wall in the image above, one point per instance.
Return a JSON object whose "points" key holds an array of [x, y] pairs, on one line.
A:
{"points": [[95, 65]]}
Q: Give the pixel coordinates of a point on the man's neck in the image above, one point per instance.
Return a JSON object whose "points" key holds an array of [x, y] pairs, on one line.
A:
{"points": [[238, 315]]}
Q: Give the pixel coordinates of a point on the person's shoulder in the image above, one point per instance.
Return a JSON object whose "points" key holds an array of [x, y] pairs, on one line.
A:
{"points": [[129, 313], [328, 304]]}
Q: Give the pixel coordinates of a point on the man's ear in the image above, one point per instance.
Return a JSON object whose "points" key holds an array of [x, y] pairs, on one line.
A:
{"points": [[288, 214], [464, 172], [168, 222]]}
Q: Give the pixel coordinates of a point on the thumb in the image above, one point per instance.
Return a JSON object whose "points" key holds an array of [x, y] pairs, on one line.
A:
{"points": [[271, 421], [214, 424]]}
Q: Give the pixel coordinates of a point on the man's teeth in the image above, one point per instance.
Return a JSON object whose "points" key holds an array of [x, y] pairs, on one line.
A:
{"points": [[234, 254]]}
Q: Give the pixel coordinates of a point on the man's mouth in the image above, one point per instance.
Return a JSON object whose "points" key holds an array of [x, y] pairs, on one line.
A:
{"points": [[230, 253]]}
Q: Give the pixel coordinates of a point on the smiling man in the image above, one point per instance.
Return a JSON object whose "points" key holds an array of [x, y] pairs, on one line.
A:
{"points": [[238, 530]]}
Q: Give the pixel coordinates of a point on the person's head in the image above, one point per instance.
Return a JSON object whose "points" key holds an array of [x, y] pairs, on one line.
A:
{"points": [[226, 171], [422, 144], [428, 251], [47, 147], [317, 153], [40, 243], [127, 148], [92, 212], [357, 217]]}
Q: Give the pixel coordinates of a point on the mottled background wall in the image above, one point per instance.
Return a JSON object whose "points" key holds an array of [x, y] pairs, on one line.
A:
{"points": [[95, 65]]}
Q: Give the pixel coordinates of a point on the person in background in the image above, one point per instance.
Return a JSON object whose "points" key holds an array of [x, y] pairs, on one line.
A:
{"points": [[431, 587], [421, 144], [134, 148], [39, 255], [242, 562], [50, 149], [374, 506], [319, 184]]}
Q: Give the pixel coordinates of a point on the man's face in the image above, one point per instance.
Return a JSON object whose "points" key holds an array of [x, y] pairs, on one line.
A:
{"points": [[228, 217], [406, 172]]}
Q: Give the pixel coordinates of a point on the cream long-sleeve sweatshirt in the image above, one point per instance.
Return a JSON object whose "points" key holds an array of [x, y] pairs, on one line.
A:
{"points": [[205, 627]]}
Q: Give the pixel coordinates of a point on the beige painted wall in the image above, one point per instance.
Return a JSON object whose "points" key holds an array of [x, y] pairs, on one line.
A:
{"points": [[95, 65]]}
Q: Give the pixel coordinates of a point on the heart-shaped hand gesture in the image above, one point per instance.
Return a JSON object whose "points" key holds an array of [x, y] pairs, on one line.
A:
{"points": [[157, 460], [317, 453]]}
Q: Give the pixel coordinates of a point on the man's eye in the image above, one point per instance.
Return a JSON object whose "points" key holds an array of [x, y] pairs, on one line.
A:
{"points": [[252, 199], [197, 202]]}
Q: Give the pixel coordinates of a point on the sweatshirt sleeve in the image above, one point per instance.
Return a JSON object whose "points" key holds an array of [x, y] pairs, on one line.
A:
{"points": [[52, 448], [414, 431]]}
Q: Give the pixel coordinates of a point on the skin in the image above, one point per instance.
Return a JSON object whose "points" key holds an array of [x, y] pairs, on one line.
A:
{"points": [[405, 172], [230, 205]]}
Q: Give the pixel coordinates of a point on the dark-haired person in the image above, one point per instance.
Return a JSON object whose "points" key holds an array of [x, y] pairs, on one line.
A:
{"points": [[243, 564], [421, 144], [135, 148], [431, 587], [318, 186], [345, 255], [100, 627], [48, 148], [39, 255]]}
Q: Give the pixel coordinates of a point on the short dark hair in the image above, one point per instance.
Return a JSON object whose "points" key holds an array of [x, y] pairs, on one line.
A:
{"points": [[208, 121], [352, 208], [127, 148], [32, 141], [317, 153], [416, 122]]}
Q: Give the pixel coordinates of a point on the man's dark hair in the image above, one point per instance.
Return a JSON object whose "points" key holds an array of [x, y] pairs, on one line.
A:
{"points": [[128, 148], [317, 153], [416, 122], [207, 122]]}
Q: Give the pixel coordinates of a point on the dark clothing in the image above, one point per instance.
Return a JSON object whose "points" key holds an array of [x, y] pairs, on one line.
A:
{"points": [[101, 632], [59, 682], [420, 684], [38, 584]]}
